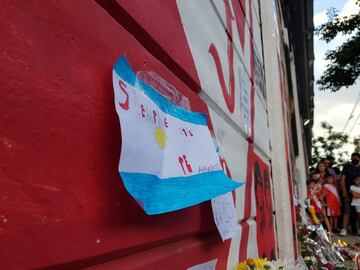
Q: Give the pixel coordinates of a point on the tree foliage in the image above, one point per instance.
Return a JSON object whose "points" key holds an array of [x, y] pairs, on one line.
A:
{"points": [[344, 66], [331, 144], [356, 143]]}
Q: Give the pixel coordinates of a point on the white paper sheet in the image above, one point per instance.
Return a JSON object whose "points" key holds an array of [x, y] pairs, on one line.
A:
{"points": [[224, 215], [165, 139], [168, 158], [210, 265]]}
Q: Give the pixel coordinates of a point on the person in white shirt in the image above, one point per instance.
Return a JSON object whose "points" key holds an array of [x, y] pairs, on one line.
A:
{"points": [[355, 192]]}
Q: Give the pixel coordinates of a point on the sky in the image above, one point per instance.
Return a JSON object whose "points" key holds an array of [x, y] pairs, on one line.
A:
{"points": [[335, 108]]}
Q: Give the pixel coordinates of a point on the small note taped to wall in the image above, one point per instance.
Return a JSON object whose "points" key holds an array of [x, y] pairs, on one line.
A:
{"points": [[210, 265], [224, 215]]}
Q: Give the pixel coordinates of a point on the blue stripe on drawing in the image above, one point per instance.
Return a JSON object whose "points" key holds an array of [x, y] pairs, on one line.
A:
{"points": [[124, 70], [164, 195]]}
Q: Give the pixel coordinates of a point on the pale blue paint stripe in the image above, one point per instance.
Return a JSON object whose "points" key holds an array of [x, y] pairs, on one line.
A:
{"points": [[164, 195], [124, 70]]}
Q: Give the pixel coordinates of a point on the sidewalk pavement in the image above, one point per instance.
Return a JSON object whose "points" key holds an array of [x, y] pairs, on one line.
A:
{"points": [[349, 239]]}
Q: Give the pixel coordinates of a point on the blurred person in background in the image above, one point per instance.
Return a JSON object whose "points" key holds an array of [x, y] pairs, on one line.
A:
{"points": [[348, 175]]}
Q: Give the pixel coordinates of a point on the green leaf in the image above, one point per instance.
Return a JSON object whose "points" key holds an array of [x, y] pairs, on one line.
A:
{"points": [[344, 61]]}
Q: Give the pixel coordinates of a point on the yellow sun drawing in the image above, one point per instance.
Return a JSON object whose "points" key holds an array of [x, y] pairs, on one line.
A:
{"points": [[160, 137]]}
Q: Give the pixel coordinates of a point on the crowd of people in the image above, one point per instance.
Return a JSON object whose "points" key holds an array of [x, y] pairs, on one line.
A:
{"points": [[334, 195]]}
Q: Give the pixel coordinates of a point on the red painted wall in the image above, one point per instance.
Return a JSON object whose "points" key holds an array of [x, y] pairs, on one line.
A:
{"points": [[62, 202]]}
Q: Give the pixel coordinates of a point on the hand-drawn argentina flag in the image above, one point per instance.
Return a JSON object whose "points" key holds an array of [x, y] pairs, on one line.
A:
{"points": [[168, 158]]}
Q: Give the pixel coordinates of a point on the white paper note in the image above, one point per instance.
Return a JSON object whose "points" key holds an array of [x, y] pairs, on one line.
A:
{"points": [[210, 265], [166, 150], [224, 215]]}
